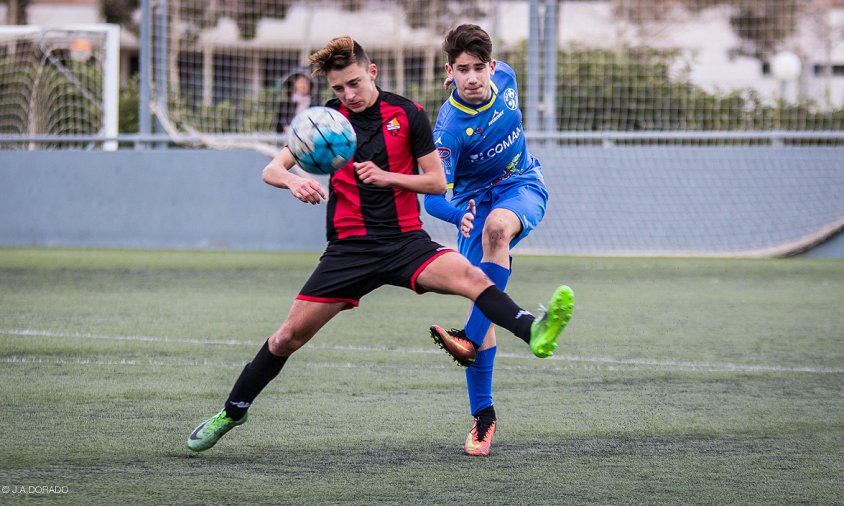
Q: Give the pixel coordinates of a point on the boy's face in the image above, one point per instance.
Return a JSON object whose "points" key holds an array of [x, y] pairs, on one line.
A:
{"points": [[302, 85], [471, 77], [354, 86]]}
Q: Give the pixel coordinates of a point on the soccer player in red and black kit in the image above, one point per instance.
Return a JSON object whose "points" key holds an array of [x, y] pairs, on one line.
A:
{"points": [[375, 235]]}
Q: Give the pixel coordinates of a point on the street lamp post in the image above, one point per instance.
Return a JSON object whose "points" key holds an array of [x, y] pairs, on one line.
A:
{"points": [[786, 67]]}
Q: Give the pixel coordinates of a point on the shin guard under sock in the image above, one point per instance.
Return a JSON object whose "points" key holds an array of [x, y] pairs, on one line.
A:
{"points": [[479, 380], [255, 376], [477, 325], [502, 311]]}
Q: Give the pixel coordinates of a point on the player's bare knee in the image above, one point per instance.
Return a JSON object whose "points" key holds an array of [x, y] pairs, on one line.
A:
{"points": [[283, 343], [477, 280], [497, 233], [496, 236]]}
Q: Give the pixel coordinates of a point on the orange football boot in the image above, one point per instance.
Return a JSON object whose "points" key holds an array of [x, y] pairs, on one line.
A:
{"points": [[456, 344], [480, 438]]}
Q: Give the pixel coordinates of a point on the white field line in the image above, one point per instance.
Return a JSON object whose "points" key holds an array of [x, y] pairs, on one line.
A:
{"points": [[596, 362], [17, 359]]}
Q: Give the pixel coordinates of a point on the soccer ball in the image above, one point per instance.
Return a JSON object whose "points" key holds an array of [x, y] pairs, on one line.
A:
{"points": [[321, 140]]}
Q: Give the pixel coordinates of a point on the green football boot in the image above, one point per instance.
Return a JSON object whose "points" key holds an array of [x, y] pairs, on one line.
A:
{"points": [[546, 329], [210, 431]]}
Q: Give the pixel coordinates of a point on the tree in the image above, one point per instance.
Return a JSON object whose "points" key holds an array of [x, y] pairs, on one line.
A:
{"points": [[439, 15], [762, 25], [16, 11], [120, 12]]}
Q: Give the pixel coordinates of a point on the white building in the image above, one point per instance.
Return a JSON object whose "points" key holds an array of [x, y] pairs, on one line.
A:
{"points": [[706, 40]]}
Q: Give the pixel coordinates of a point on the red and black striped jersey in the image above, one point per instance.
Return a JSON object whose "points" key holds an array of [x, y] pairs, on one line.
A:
{"points": [[393, 133]]}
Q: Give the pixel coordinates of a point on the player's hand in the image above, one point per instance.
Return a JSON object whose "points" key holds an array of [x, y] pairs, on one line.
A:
{"points": [[307, 190], [466, 224], [372, 174], [447, 82]]}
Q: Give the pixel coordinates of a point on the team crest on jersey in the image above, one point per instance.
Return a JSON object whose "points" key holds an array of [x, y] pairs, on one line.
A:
{"points": [[510, 99], [474, 131], [393, 126]]}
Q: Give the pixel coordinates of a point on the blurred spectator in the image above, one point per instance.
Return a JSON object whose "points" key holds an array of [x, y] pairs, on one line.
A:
{"points": [[296, 97]]}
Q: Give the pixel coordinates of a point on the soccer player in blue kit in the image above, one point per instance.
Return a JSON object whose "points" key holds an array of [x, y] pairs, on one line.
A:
{"points": [[498, 198]]}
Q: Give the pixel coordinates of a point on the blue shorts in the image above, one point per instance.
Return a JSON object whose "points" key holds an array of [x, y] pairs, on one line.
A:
{"points": [[526, 199]]}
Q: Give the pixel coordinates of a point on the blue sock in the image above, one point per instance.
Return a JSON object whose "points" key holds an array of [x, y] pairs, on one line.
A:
{"points": [[479, 374], [479, 380], [477, 325]]}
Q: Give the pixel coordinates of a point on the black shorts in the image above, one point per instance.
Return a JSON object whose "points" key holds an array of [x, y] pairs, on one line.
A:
{"points": [[351, 268]]}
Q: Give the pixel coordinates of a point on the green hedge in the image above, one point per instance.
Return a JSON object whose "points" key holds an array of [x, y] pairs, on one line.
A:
{"points": [[634, 90], [598, 90]]}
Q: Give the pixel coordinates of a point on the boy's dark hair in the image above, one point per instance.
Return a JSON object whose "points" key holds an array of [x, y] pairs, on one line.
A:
{"points": [[338, 54], [471, 39]]}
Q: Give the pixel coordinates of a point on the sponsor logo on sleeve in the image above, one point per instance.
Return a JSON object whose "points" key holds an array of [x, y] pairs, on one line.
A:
{"points": [[445, 156]]}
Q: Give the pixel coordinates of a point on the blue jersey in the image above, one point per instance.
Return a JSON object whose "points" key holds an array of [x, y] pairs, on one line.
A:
{"points": [[481, 145]]}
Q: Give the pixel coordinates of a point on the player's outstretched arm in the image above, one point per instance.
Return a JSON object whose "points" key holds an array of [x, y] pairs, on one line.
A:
{"points": [[438, 207], [277, 173]]}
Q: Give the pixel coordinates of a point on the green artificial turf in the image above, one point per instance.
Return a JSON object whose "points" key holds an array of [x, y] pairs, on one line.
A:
{"points": [[679, 381]]}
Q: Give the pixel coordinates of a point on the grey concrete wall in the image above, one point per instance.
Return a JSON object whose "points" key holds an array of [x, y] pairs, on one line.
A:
{"points": [[622, 200], [831, 248], [689, 201], [150, 199]]}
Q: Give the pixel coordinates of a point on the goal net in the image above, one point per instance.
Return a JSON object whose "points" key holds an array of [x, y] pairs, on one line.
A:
{"points": [[59, 86], [667, 93]]}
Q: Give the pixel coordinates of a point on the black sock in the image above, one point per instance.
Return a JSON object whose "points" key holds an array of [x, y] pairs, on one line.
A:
{"points": [[255, 376], [502, 311], [484, 419], [487, 412]]}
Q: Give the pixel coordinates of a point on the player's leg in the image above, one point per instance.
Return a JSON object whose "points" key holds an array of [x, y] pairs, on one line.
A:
{"points": [[452, 273], [463, 344], [479, 375], [303, 321], [479, 389], [478, 326], [528, 201], [479, 354], [505, 216], [521, 209], [516, 210], [337, 283], [500, 227]]}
